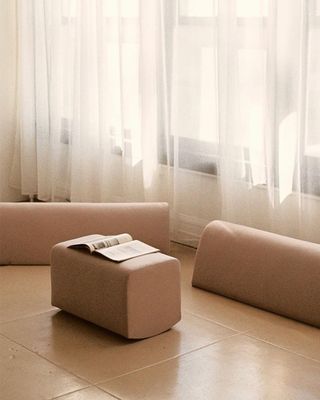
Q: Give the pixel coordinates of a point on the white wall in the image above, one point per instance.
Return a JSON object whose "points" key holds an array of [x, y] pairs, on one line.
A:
{"points": [[7, 95]]}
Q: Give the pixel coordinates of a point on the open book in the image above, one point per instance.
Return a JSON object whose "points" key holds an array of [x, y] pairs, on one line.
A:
{"points": [[117, 248]]}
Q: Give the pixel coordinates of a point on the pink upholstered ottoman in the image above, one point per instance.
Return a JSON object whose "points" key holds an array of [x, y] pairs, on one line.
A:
{"points": [[137, 298]]}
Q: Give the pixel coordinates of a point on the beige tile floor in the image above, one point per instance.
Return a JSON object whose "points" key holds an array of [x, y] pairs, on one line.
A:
{"points": [[220, 350]]}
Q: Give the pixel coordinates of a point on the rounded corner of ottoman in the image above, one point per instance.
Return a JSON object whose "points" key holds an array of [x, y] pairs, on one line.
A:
{"points": [[154, 298]]}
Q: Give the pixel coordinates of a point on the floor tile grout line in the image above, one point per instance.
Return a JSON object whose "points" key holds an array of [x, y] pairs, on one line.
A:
{"points": [[109, 393], [280, 347], [71, 392], [79, 390], [49, 361], [168, 359], [29, 316], [213, 321], [133, 371], [246, 332]]}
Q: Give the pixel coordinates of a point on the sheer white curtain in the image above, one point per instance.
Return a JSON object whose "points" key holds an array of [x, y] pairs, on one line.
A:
{"points": [[210, 105], [245, 108], [90, 93], [268, 53]]}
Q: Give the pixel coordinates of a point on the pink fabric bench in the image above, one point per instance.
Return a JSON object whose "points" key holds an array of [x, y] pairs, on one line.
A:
{"points": [[269, 271], [28, 231]]}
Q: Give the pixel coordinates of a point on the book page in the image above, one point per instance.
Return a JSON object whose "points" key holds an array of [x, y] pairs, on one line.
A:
{"points": [[127, 250], [110, 241], [100, 241]]}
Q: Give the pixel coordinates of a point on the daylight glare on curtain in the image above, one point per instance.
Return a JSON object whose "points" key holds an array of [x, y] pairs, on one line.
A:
{"points": [[211, 105]]}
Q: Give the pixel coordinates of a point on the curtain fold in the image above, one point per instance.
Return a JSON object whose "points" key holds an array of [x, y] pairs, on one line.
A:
{"points": [[211, 105]]}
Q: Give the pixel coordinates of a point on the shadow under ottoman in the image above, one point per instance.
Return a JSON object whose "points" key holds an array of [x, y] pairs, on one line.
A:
{"points": [[137, 298]]}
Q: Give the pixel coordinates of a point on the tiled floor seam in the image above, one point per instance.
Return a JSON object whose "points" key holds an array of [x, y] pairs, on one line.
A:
{"points": [[109, 393], [49, 361], [281, 348], [29, 316], [128, 373], [215, 322], [247, 333], [71, 392], [79, 390], [168, 359]]}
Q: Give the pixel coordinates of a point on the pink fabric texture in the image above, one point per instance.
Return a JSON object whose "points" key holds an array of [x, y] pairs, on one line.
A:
{"points": [[273, 272], [136, 298], [28, 231]]}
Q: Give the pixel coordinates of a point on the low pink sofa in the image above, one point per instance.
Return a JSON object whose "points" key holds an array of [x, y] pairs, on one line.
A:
{"points": [[263, 269], [28, 231]]}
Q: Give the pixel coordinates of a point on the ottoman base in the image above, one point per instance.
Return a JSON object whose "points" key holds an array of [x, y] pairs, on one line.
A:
{"points": [[137, 298]]}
